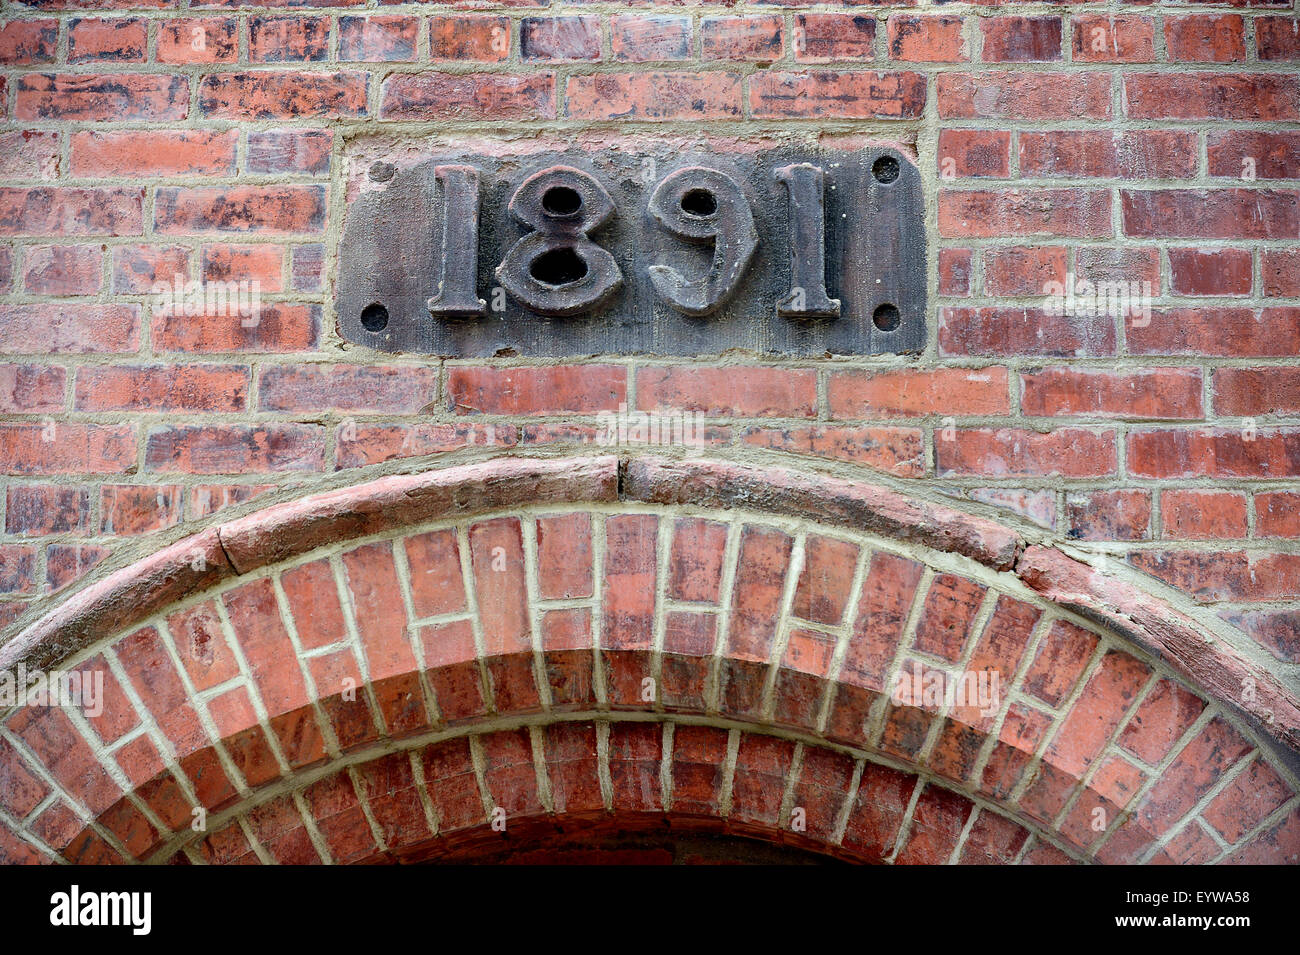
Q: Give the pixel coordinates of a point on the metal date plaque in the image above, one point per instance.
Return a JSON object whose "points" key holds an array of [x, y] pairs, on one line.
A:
{"points": [[634, 247]]}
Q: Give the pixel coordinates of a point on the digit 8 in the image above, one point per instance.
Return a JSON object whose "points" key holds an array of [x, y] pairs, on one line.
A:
{"points": [[557, 269]]}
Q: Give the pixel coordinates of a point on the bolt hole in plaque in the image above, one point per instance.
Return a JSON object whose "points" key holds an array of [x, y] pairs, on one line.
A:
{"points": [[646, 246]]}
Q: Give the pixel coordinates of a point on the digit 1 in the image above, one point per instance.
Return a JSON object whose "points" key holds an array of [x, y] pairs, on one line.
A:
{"points": [[807, 298], [458, 289]]}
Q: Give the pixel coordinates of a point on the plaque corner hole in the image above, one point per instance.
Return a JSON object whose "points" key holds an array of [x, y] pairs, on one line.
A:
{"points": [[374, 317], [886, 317], [885, 169]]}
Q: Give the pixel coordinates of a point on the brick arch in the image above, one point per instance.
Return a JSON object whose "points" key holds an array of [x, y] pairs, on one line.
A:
{"points": [[416, 652]]}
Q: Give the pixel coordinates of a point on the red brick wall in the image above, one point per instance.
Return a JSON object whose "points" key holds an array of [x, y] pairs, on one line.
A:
{"points": [[1147, 142]]}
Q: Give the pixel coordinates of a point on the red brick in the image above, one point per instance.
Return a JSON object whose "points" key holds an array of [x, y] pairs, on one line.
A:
{"points": [[162, 388], [1278, 38], [564, 554], [1160, 721], [69, 211], [288, 39], [1098, 264], [149, 97], [1081, 213], [579, 389], [1210, 330], [69, 329], [1023, 270], [1021, 39], [198, 40], [482, 38], [1194, 514], [822, 593], [202, 647], [654, 96], [1213, 452], [1256, 391], [559, 39], [898, 451], [120, 40], [268, 210], [955, 272], [281, 94], [510, 774], [1136, 154], [936, 827], [304, 151], [932, 39], [1151, 393], [208, 499], [126, 509], [1011, 452], [428, 96], [695, 563], [1211, 214], [699, 753], [18, 571], [1096, 714], [883, 607], [154, 154], [1194, 772], [235, 449], [829, 95], [1277, 514], [1224, 575], [67, 448], [29, 154], [627, 625], [31, 389], [1247, 801], [759, 38], [497, 556], [1107, 38], [40, 509], [23, 42], [877, 810], [762, 767], [1022, 96], [993, 840], [739, 391], [1211, 38], [137, 268], [1062, 657], [974, 152], [1210, 271], [378, 39], [67, 563], [1281, 271], [436, 584], [381, 624], [260, 263], [53, 739], [1271, 155], [367, 389], [827, 37], [278, 328], [1263, 97]]}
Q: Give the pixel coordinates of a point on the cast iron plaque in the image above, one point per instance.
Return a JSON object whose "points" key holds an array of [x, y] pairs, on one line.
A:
{"points": [[634, 248]]}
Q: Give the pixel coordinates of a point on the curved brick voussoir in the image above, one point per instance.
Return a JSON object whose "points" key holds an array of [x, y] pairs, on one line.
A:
{"points": [[1153, 624], [712, 668], [818, 497]]}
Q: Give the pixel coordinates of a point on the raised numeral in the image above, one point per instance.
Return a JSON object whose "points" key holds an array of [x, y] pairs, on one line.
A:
{"points": [[807, 297], [557, 269], [704, 205], [457, 292]]}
